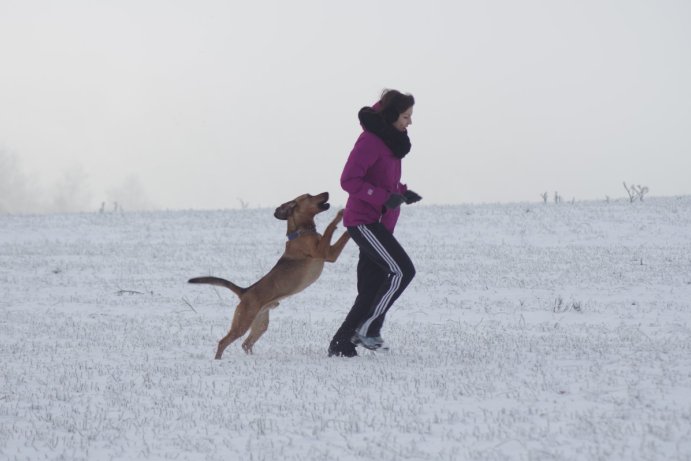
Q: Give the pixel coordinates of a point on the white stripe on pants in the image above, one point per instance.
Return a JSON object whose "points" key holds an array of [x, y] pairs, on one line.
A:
{"points": [[395, 283]]}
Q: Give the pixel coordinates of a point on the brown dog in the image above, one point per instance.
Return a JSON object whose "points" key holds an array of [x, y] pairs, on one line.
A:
{"points": [[299, 266]]}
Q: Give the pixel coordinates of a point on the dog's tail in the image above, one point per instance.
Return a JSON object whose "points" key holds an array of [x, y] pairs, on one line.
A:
{"points": [[219, 282]]}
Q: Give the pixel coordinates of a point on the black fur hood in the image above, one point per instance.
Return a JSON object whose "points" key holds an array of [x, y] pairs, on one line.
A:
{"points": [[374, 122]]}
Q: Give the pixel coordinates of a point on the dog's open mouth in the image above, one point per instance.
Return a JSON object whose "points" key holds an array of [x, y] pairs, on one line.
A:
{"points": [[324, 205]]}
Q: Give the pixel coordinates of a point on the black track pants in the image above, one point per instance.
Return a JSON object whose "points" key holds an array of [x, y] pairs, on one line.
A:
{"points": [[384, 271]]}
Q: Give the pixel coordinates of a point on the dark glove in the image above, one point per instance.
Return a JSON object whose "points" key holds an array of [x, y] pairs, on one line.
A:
{"points": [[394, 201], [411, 197]]}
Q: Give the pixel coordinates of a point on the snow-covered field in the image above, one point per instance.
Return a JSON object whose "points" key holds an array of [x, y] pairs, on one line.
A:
{"points": [[531, 332]]}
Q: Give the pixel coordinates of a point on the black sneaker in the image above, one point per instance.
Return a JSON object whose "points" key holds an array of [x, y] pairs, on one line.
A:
{"points": [[342, 353], [342, 349], [338, 353]]}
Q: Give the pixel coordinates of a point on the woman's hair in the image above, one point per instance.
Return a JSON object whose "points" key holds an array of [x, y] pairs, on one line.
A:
{"points": [[393, 103]]}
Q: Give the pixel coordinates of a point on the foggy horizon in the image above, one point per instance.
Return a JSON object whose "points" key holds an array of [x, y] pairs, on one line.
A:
{"points": [[162, 105]]}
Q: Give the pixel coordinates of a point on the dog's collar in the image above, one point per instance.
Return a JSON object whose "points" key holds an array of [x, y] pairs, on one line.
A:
{"points": [[300, 232]]}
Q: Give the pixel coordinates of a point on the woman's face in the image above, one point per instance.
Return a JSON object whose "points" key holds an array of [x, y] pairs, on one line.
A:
{"points": [[404, 120]]}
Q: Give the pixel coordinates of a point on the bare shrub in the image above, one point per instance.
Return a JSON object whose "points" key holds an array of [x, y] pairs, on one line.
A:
{"points": [[636, 192]]}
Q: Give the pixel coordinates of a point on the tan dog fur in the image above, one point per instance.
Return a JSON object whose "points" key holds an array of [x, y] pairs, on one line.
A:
{"points": [[300, 265]]}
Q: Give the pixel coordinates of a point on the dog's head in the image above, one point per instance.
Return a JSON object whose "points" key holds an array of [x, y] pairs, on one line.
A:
{"points": [[305, 205]]}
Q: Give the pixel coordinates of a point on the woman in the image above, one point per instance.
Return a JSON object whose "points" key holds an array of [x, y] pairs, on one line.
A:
{"points": [[372, 178]]}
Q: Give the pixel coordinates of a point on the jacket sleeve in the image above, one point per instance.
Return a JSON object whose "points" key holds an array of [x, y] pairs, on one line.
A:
{"points": [[353, 178]]}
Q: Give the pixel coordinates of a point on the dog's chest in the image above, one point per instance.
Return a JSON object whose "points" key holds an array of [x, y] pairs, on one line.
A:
{"points": [[312, 270]]}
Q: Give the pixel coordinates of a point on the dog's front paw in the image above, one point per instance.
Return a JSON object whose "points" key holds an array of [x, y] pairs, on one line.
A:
{"points": [[339, 215]]}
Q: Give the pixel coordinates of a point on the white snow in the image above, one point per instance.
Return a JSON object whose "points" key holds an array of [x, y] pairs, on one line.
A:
{"points": [[532, 331]]}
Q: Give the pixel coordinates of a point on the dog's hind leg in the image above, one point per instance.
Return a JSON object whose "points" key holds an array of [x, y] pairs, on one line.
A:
{"points": [[258, 328], [244, 315]]}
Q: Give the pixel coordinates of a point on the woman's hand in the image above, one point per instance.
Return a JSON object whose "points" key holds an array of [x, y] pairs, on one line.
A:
{"points": [[394, 201], [411, 197]]}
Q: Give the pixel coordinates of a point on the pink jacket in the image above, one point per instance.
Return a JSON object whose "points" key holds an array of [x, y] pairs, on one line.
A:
{"points": [[371, 174]]}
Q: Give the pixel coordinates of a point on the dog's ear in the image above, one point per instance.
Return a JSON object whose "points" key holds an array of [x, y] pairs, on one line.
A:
{"points": [[285, 210]]}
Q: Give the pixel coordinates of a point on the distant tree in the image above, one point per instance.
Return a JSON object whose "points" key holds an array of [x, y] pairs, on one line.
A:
{"points": [[17, 193], [130, 195], [71, 192]]}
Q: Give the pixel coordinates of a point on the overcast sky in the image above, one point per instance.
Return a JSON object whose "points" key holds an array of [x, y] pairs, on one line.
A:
{"points": [[210, 104]]}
